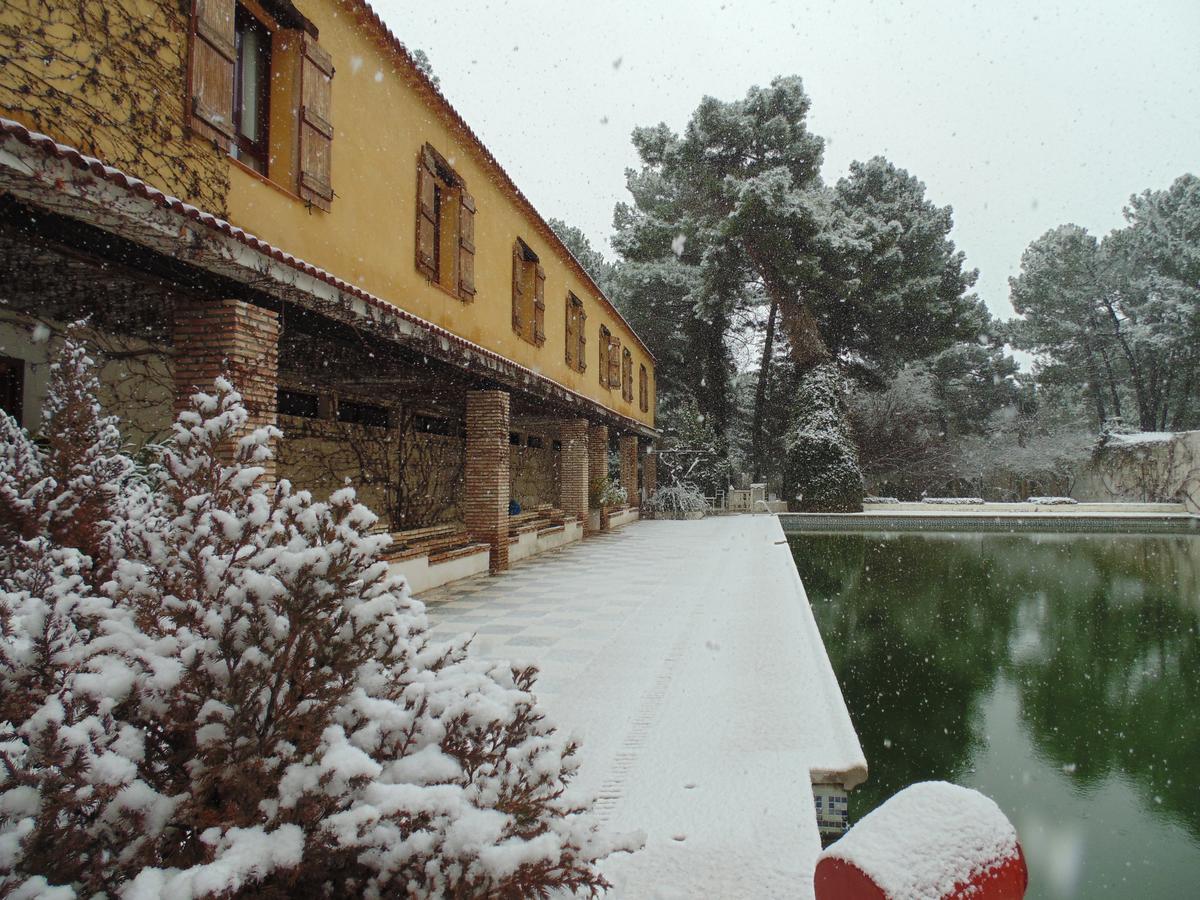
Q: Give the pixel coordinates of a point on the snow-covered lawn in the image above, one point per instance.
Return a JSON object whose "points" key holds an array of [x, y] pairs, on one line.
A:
{"points": [[684, 655]]}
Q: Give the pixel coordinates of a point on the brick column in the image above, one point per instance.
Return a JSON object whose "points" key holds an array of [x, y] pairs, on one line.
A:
{"points": [[650, 471], [629, 474], [598, 463], [487, 472], [573, 469], [234, 339]]}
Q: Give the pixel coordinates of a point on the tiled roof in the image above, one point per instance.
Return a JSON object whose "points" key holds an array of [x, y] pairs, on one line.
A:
{"points": [[112, 175]]}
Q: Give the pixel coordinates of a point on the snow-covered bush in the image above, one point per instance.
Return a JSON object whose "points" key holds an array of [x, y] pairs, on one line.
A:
{"points": [[953, 501], [678, 498], [1053, 501], [822, 460], [881, 500], [613, 494], [210, 685]]}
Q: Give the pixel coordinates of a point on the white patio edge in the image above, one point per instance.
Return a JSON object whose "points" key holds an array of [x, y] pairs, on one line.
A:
{"points": [[685, 657]]}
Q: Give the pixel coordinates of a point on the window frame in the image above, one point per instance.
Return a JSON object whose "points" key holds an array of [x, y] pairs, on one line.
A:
{"points": [[449, 219], [528, 294], [255, 155], [575, 341]]}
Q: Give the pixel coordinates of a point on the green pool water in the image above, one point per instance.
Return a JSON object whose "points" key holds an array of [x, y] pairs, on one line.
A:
{"points": [[1058, 674]]}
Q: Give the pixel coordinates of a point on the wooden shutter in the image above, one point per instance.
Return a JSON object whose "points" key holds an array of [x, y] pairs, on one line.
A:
{"points": [[539, 306], [581, 333], [605, 347], [614, 362], [426, 214], [518, 290], [466, 247], [212, 62], [569, 345], [316, 128], [643, 389]]}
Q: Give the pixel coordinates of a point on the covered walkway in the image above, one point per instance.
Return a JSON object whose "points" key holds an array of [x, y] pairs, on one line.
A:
{"points": [[685, 658]]}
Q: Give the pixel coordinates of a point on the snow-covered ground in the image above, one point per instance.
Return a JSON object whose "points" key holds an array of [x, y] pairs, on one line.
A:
{"points": [[685, 658]]}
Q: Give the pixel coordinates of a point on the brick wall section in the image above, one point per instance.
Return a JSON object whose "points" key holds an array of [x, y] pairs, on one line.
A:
{"points": [[598, 462], [487, 473], [650, 471], [628, 455], [234, 339], [573, 469]]}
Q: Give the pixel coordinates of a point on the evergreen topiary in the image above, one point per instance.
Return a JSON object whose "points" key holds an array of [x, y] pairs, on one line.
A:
{"points": [[822, 459]]}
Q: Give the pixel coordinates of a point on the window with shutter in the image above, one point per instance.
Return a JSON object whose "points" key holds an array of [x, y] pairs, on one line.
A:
{"points": [[627, 375], [518, 289], [466, 246], [529, 294], [316, 128], [213, 60], [569, 342], [539, 306], [614, 362], [643, 389], [427, 219], [605, 348], [581, 335], [445, 238]]}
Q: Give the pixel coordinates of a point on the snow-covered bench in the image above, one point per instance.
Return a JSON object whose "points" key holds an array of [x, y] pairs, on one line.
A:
{"points": [[428, 557], [540, 529]]}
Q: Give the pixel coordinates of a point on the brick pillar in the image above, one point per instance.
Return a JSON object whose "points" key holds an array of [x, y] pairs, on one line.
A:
{"points": [[573, 469], [598, 463], [650, 471], [234, 339], [487, 472], [629, 474]]}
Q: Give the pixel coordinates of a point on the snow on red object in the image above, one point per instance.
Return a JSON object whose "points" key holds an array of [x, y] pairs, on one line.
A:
{"points": [[931, 841]]}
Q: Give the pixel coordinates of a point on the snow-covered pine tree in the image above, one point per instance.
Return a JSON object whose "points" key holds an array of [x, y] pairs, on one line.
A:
{"points": [[209, 685]]}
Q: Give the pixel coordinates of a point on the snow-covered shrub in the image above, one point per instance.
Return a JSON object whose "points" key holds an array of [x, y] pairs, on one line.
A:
{"points": [[210, 686], [822, 460], [678, 498], [1053, 501], [613, 494], [953, 501], [881, 500]]}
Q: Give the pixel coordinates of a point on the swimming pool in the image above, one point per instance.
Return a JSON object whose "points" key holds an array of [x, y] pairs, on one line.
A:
{"points": [[1059, 674]]}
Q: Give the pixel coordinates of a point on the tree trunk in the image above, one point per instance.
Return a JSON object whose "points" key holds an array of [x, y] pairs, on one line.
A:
{"points": [[1185, 397], [799, 323], [760, 395]]}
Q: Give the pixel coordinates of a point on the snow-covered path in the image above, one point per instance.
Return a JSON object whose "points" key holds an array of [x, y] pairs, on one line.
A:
{"points": [[685, 657]]}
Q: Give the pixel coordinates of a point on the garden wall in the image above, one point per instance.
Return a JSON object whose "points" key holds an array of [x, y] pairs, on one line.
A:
{"points": [[1144, 468]]}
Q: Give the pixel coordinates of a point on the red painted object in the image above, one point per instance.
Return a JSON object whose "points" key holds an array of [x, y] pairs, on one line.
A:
{"points": [[837, 879], [931, 841]]}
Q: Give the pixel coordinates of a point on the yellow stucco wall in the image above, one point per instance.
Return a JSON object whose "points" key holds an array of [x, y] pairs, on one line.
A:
{"points": [[116, 87], [108, 78], [382, 117]]}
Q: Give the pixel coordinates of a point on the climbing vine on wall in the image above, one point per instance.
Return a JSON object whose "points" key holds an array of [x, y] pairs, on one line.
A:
{"points": [[109, 77]]}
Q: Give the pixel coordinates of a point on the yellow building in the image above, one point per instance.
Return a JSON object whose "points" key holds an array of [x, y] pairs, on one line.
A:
{"points": [[276, 190]]}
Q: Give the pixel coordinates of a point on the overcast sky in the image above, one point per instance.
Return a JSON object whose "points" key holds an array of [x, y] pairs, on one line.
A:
{"points": [[1021, 115]]}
